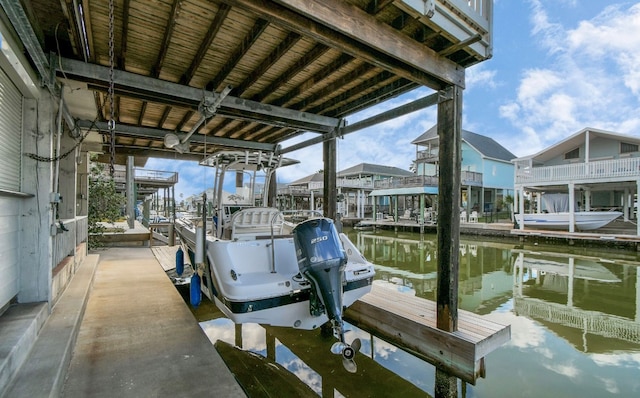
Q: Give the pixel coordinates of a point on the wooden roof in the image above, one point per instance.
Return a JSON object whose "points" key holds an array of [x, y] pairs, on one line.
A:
{"points": [[291, 65]]}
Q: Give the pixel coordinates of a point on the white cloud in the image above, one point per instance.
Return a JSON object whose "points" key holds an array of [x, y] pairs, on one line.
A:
{"points": [[592, 78], [478, 75]]}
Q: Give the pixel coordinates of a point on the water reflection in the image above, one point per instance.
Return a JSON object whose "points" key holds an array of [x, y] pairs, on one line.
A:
{"points": [[574, 316]]}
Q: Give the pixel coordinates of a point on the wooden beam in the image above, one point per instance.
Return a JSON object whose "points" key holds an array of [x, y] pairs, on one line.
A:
{"points": [[330, 191], [448, 226], [127, 130], [315, 53], [241, 50], [275, 55], [125, 30], [331, 37], [390, 90], [168, 34], [168, 93], [306, 85], [346, 27], [215, 26], [354, 91]]}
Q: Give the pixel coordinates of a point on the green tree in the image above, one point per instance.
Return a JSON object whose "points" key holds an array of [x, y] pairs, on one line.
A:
{"points": [[105, 203]]}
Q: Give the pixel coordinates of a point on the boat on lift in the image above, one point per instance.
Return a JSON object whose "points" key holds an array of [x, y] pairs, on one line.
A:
{"points": [[256, 268], [583, 220]]}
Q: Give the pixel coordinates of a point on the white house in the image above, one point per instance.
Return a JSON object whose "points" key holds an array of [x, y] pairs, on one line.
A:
{"points": [[599, 170]]}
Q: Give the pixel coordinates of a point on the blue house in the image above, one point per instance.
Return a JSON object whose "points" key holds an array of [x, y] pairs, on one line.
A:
{"points": [[487, 172]]}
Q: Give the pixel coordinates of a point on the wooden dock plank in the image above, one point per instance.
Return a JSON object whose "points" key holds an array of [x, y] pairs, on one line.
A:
{"points": [[410, 322]]}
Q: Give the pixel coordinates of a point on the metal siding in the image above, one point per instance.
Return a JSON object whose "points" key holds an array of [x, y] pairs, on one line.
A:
{"points": [[10, 134], [9, 231]]}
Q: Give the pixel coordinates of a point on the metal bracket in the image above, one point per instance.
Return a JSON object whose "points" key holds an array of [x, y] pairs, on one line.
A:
{"points": [[445, 95], [207, 108], [429, 8], [209, 105]]}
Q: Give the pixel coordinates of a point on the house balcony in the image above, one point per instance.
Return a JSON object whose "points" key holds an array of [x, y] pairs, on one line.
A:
{"points": [[152, 178], [354, 183], [467, 178], [468, 23], [427, 157], [596, 171]]}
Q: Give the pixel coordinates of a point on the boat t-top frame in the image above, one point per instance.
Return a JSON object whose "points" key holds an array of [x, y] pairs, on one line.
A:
{"points": [[250, 161]]}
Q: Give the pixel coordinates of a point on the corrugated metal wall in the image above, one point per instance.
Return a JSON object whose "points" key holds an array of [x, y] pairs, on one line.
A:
{"points": [[10, 134], [10, 159]]}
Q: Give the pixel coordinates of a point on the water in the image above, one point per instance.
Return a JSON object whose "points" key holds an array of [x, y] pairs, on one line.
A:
{"points": [[574, 316]]}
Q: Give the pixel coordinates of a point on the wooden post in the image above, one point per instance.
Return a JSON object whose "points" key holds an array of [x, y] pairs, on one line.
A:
{"points": [[330, 193], [273, 191], [448, 226], [446, 385]]}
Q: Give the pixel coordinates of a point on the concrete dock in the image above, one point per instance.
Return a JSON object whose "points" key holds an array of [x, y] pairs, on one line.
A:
{"points": [[120, 329]]}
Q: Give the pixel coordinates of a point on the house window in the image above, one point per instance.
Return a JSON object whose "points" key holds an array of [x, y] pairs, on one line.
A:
{"points": [[625, 147], [574, 154]]}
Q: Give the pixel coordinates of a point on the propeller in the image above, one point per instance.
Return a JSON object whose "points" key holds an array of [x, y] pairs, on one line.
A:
{"points": [[348, 352]]}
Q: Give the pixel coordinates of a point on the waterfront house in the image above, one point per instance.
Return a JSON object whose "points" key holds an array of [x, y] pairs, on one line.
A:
{"points": [[486, 174], [354, 184], [599, 170]]}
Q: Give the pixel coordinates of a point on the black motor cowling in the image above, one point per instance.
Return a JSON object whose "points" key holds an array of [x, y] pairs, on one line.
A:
{"points": [[321, 260]]}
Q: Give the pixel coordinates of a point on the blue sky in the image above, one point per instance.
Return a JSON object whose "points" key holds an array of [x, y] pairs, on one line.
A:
{"points": [[558, 66]]}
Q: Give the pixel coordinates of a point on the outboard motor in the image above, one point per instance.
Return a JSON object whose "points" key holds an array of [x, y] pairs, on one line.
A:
{"points": [[321, 259]]}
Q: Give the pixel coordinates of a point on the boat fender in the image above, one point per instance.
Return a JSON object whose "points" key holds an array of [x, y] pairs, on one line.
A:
{"points": [[179, 262], [195, 290]]}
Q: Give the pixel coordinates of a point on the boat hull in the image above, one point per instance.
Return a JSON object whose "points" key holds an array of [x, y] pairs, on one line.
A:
{"points": [[258, 281], [585, 220]]}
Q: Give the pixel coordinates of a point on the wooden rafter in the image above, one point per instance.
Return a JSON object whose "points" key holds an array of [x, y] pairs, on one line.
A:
{"points": [[121, 59], [215, 26], [331, 68], [315, 53], [331, 22], [269, 61], [233, 60]]}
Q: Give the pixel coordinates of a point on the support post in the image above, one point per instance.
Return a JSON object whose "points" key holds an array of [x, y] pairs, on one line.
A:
{"points": [[330, 197], [448, 226], [273, 191], [131, 198]]}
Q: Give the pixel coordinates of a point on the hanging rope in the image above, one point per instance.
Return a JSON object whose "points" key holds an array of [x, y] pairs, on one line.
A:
{"points": [[112, 120]]}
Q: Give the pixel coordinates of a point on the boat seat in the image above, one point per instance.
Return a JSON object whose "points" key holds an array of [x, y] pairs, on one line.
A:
{"points": [[247, 224]]}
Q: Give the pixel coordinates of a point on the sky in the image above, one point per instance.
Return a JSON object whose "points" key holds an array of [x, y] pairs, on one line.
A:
{"points": [[558, 66]]}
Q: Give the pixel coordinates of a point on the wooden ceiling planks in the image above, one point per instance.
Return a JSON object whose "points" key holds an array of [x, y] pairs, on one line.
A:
{"points": [[275, 52]]}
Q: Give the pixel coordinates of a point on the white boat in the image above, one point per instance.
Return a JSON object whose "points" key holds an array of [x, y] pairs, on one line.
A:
{"points": [[257, 269], [584, 220]]}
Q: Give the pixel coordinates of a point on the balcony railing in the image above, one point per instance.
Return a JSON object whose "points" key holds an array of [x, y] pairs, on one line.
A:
{"points": [[471, 178], [354, 183], [148, 176], [597, 170], [407, 182]]}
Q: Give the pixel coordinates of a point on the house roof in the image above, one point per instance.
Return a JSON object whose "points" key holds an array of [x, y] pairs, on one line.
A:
{"points": [[310, 178], [575, 141], [486, 146], [374, 169]]}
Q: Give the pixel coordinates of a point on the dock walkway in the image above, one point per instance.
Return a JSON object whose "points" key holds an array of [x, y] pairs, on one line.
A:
{"points": [[137, 338]]}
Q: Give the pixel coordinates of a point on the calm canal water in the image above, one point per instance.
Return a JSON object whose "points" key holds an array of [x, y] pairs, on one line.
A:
{"points": [[574, 316]]}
